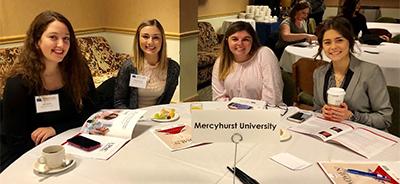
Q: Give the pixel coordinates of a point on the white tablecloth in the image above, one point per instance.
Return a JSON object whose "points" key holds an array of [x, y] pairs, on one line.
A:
{"points": [[228, 22], [145, 160], [388, 58], [391, 27]]}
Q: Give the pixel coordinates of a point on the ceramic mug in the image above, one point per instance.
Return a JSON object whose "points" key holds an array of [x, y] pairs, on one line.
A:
{"points": [[53, 156]]}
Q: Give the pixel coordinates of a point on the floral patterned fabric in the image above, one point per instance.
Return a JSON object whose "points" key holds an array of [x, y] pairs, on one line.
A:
{"points": [[7, 58], [208, 48], [102, 61]]}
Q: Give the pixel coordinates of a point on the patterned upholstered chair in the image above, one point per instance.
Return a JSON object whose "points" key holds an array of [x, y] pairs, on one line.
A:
{"points": [[7, 58], [102, 60], [208, 48]]}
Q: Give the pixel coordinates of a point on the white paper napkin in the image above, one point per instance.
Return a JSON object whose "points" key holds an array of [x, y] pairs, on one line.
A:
{"points": [[290, 161]]}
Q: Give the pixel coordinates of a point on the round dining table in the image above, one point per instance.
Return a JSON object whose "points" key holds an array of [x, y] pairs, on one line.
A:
{"points": [[386, 55], [393, 28], [144, 159]]}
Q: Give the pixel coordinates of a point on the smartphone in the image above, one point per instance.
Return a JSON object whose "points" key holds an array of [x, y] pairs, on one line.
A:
{"points": [[299, 117], [83, 143], [234, 105]]}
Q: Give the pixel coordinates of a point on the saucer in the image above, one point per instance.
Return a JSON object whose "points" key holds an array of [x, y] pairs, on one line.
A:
{"points": [[41, 168], [284, 135]]}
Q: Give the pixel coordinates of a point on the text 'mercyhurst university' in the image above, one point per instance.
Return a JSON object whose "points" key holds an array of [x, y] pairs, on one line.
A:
{"points": [[216, 126]]}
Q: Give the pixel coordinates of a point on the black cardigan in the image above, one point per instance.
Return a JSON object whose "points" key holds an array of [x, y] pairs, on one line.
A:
{"points": [[127, 97]]}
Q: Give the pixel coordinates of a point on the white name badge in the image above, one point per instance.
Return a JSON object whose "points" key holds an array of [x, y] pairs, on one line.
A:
{"points": [[221, 125], [47, 103], [139, 81]]}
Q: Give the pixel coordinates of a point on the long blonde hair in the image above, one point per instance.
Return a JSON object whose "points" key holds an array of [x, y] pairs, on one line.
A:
{"points": [[138, 54], [226, 56]]}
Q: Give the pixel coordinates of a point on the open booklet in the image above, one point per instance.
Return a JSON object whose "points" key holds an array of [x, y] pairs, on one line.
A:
{"points": [[111, 127], [360, 140], [175, 137], [337, 172]]}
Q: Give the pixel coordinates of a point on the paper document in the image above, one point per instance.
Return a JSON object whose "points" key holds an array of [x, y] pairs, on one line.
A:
{"points": [[290, 161]]}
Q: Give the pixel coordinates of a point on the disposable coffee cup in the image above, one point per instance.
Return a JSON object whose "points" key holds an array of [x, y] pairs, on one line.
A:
{"points": [[336, 96], [53, 156]]}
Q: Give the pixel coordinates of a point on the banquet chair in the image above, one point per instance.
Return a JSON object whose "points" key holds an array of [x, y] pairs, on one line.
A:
{"points": [[387, 20], [395, 39], [394, 94], [302, 75]]}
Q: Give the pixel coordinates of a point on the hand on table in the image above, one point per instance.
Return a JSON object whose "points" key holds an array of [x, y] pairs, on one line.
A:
{"points": [[41, 134], [337, 114], [310, 38]]}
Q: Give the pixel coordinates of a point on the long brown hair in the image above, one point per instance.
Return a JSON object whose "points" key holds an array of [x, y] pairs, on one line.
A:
{"points": [[226, 58], [138, 54], [298, 6], [75, 73]]}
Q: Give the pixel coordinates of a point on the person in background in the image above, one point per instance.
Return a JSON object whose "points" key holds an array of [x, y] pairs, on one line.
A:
{"points": [[294, 28], [367, 99], [149, 78], [47, 91], [245, 68], [351, 11], [317, 10]]}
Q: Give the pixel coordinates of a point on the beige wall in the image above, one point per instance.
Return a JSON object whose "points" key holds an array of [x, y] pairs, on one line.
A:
{"points": [[16, 15], [212, 8], [130, 13]]}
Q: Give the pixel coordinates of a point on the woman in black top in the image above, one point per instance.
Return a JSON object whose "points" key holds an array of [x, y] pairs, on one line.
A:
{"points": [[47, 91], [350, 10]]}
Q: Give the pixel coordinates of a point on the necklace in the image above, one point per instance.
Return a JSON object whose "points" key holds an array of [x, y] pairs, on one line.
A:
{"points": [[339, 79]]}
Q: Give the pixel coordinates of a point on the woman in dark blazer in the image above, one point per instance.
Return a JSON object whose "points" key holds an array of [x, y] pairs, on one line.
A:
{"points": [[367, 99]]}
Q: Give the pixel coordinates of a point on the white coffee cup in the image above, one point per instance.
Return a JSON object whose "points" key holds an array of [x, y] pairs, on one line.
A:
{"points": [[53, 156], [336, 96]]}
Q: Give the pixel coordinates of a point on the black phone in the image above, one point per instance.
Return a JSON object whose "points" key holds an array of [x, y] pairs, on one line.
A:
{"points": [[234, 105], [299, 117], [83, 143]]}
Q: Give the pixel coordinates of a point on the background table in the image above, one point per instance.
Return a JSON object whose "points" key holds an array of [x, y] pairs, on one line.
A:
{"points": [[145, 159], [391, 27], [388, 58]]}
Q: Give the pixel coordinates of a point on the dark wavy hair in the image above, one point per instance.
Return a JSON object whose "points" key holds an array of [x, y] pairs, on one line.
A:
{"points": [[75, 73], [226, 56], [300, 5], [339, 24], [348, 8]]}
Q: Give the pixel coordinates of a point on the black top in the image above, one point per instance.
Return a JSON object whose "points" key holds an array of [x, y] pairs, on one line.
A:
{"points": [[20, 118], [127, 97], [359, 23]]}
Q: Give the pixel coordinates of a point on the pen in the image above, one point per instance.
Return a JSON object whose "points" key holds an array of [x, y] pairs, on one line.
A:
{"points": [[368, 174], [243, 177], [247, 176]]}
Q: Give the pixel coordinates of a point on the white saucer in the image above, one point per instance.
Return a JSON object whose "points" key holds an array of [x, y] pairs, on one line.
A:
{"points": [[41, 168], [176, 117], [284, 135]]}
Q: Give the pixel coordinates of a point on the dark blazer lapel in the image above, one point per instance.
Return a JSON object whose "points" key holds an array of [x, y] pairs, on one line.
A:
{"points": [[355, 67]]}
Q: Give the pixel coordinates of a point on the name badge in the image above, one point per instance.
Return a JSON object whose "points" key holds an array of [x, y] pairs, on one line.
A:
{"points": [[139, 81], [47, 103]]}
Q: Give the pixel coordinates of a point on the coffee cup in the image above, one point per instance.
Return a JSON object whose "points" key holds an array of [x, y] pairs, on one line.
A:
{"points": [[53, 156], [336, 96]]}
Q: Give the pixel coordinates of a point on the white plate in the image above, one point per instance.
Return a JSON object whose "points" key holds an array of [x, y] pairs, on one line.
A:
{"points": [[41, 168], [176, 117]]}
